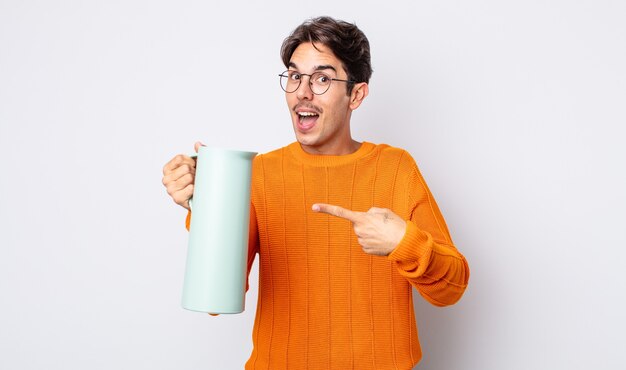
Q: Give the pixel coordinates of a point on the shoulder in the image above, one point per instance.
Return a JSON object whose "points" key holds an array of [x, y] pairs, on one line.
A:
{"points": [[270, 158], [273, 154], [389, 153]]}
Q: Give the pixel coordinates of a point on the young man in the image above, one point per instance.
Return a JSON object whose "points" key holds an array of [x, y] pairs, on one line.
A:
{"points": [[343, 229]]}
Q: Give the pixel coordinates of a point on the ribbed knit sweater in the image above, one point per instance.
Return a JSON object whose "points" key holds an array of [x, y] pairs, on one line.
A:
{"points": [[323, 303]]}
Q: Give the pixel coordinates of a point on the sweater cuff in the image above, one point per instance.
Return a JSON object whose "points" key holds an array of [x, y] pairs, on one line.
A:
{"points": [[414, 245], [188, 220]]}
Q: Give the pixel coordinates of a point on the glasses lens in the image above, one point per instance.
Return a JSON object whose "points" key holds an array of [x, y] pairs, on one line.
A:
{"points": [[289, 81], [320, 82]]}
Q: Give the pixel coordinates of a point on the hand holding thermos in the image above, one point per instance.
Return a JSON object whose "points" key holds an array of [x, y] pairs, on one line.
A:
{"points": [[179, 175]]}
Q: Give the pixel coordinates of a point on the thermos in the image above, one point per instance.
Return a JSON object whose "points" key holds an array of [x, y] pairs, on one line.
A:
{"points": [[216, 268]]}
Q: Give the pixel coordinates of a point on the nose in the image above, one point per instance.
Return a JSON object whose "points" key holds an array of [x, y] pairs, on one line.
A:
{"points": [[304, 91]]}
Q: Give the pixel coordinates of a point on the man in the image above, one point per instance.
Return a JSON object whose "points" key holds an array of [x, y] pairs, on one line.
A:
{"points": [[343, 229]]}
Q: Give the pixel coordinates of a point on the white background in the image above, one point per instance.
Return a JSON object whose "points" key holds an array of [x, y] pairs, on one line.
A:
{"points": [[514, 110]]}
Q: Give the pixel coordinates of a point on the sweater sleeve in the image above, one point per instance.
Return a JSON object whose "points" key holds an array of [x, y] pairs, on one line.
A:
{"points": [[426, 255], [253, 242]]}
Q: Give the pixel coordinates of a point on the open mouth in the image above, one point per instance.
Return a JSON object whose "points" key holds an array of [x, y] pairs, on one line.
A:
{"points": [[306, 120]]}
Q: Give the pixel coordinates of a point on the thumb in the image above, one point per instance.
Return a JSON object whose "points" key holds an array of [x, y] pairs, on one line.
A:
{"points": [[197, 146]]}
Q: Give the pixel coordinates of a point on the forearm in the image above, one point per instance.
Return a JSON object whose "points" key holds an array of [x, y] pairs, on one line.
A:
{"points": [[436, 269]]}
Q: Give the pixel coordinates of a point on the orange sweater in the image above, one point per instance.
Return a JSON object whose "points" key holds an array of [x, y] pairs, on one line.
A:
{"points": [[323, 303]]}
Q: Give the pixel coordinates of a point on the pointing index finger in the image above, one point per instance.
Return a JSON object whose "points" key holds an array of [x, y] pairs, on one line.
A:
{"points": [[337, 211]]}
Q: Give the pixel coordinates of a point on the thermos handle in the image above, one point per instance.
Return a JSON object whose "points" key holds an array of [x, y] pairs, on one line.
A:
{"points": [[190, 200]]}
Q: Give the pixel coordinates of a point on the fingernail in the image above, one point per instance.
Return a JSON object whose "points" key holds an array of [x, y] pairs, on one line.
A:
{"points": [[316, 207]]}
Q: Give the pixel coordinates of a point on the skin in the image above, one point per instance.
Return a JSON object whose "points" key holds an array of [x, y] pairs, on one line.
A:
{"points": [[178, 177], [378, 230], [330, 134]]}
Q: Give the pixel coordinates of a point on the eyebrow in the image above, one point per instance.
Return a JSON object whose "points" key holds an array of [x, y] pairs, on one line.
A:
{"points": [[317, 68]]}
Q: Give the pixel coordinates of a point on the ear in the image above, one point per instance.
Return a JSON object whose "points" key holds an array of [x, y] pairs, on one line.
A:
{"points": [[359, 92]]}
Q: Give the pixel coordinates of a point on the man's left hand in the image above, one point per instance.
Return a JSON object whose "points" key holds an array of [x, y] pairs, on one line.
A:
{"points": [[378, 230]]}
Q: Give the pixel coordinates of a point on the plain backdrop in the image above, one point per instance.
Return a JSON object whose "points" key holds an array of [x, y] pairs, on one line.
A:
{"points": [[514, 110]]}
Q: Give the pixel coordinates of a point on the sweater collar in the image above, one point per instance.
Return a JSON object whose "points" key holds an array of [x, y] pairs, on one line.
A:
{"points": [[329, 160]]}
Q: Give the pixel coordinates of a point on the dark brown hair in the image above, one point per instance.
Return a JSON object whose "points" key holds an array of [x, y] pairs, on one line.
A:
{"points": [[344, 39]]}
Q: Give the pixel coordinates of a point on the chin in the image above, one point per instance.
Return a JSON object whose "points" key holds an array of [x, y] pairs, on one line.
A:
{"points": [[302, 139], [307, 140]]}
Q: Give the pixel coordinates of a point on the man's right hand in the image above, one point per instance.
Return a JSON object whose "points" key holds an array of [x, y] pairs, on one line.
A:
{"points": [[179, 175]]}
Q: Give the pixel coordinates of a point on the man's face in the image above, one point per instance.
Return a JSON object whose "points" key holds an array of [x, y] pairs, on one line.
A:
{"points": [[321, 122]]}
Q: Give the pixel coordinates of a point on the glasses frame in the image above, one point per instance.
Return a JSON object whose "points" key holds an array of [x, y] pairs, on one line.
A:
{"points": [[286, 75]]}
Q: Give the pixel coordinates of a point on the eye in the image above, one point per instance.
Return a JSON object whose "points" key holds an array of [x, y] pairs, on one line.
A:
{"points": [[295, 76], [322, 79]]}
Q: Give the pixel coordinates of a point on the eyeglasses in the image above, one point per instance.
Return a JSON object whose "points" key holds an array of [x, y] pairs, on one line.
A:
{"points": [[318, 81]]}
